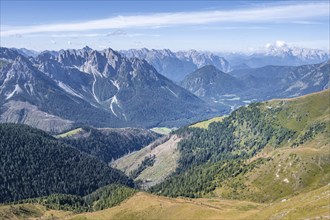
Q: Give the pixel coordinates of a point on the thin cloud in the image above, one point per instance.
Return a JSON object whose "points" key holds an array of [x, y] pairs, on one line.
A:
{"points": [[117, 32], [232, 28], [283, 13], [76, 35], [306, 22]]}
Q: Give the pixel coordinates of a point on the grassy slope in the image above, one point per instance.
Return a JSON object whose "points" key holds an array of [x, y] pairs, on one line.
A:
{"points": [[69, 133], [30, 211], [290, 170], [144, 206], [165, 163], [162, 130], [312, 204], [298, 113], [205, 124]]}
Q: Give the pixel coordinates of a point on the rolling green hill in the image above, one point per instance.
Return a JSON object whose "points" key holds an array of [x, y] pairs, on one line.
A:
{"points": [[286, 171], [312, 205], [143, 206], [302, 164], [228, 159]]}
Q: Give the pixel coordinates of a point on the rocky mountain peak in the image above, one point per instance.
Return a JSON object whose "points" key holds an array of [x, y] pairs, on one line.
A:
{"points": [[8, 54], [282, 49], [87, 49], [176, 65]]}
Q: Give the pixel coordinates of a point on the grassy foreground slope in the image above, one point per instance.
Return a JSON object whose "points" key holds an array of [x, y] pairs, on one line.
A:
{"points": [[312, 205], [144, 206]]}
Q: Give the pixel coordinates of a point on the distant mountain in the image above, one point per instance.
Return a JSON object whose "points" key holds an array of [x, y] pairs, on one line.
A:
{"points": [[100, 88], [241, 66], [176, 65], [26, 52], [278, 53], [36, 164], [244, 86], [210, 82], [283, 81], [201, 59]]}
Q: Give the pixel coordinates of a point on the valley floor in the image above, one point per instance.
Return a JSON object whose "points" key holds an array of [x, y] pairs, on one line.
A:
{"points": [[312, 205]]}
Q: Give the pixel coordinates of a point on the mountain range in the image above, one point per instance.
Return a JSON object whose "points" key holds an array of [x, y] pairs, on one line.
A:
{"points": [[99, 88], [176, 65], [56, 91], [240, 87], [278, 53]]}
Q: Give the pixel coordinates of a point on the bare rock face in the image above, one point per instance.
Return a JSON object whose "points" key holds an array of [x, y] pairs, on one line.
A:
{"points": [[176, 65], [89, 87]]}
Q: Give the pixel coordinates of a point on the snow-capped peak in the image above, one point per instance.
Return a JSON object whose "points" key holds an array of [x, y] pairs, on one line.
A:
{"points": [[280, 43], [282, 49]]}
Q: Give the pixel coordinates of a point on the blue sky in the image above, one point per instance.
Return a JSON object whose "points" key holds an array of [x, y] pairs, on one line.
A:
{"points": [[177, 25]]}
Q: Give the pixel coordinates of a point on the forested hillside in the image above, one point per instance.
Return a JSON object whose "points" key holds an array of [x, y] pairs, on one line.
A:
{"points": [[34, 164], [110, 144], [208, 157]]}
